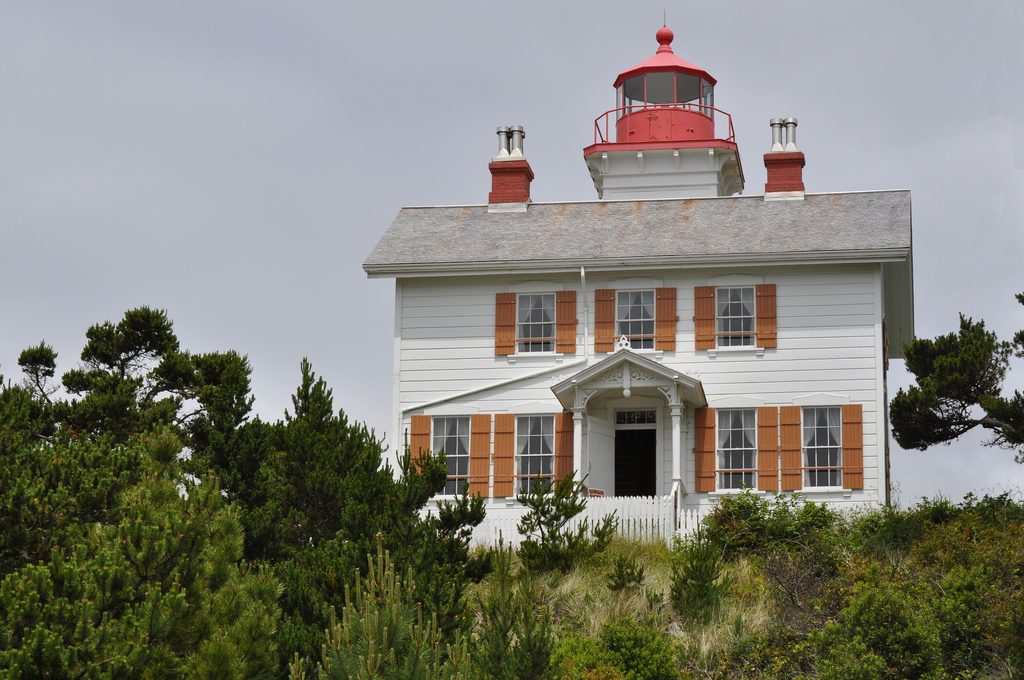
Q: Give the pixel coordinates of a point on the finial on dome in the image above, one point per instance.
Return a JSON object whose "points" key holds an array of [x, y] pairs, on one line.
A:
{"points": [[664, 36]]}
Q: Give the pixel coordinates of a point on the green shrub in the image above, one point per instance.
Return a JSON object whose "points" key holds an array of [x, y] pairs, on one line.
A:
{"points": [[962, 609], [159, 592], [883, 620], [384, 634], [852, 660], [626, 573], [749, 523], [514, 639], [578, 657], [549, 543], [698, 581], [775, 653], [640, 650], [627, 650], [1009, 633], [890, 530]]}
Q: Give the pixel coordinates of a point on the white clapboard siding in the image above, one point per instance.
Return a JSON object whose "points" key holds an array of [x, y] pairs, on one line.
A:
{"points": [[829, 336]]}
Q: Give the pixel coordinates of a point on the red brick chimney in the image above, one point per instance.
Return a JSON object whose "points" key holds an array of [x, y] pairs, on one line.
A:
{"points": [[511, 173], [784, 163]]}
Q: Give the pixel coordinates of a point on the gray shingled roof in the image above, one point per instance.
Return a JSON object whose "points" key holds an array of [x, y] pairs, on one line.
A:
{"points": [[465, 237]]}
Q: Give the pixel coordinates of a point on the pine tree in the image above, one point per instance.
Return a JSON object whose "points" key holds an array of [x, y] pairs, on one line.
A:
{"points": [[158, 591], [384, 632], [960, 387]]}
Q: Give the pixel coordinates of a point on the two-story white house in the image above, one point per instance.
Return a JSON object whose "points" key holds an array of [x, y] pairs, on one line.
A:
{"points": [[669, 342]]}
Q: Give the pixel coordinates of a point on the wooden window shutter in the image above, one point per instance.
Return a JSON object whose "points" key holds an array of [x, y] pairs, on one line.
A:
{"points": [[480, 454], [853, 446], [665, 319], [505, 324], [768, 448], [704, 317], [767, 326], [419, 438], [792, 449], [604, 320], [565, 321], [504, 454], [563, 445], [704, 449]]}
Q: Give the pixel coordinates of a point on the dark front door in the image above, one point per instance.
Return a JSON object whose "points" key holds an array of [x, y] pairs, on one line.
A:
{"points": [[634, 462]]}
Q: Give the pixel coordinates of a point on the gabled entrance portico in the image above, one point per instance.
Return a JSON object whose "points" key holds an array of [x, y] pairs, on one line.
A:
{"points": [[629, 423]]}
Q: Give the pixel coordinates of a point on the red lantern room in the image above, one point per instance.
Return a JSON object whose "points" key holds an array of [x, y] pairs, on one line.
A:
{"points": [[664, 103]]}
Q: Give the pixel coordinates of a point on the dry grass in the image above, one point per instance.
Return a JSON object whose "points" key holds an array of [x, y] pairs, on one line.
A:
{"points": [[746, 613], [581, 600]]}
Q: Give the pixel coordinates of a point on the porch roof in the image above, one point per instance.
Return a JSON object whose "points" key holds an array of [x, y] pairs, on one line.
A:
{"points": [[626, 370]]}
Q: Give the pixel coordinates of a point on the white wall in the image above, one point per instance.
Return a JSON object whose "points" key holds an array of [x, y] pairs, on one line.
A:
{"points": [[829, 348]]}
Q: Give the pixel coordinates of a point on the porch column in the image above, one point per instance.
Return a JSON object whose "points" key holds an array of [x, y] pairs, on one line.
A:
{"points": [[577, 442], [677, 442]]}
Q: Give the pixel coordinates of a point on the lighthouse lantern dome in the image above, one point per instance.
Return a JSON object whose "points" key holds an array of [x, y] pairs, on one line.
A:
{"points": [[664, 79]]}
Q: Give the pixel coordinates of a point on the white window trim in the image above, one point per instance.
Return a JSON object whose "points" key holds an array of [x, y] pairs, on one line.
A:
{"points": [[554, 326], [736, 349], [752, 347], [803, 454], [517, 456], [718, 470], [469, 443], [654, 318]]}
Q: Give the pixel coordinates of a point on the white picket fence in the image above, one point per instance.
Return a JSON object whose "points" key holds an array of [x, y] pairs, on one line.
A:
{"points": [[646, 518]]}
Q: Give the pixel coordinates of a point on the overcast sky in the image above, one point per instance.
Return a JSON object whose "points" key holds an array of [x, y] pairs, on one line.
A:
{"points": [[233, 162]]}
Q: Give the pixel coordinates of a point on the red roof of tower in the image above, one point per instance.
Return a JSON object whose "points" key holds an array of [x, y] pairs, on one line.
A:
{"points": [[664, 60]]}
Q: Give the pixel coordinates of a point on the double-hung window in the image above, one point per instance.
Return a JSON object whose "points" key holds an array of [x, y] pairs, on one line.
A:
{"points": [[823, 446], [737, 448], [451, 437], [634, 317], [734, 316], [535, 450], [535, 322]]}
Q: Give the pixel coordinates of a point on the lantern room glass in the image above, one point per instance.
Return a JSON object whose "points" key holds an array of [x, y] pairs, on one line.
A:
{"points": [[665, 88]]}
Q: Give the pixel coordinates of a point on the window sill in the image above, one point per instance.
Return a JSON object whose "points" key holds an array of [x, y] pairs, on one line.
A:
{"points": [[824, 491], [537, 357], [736, 492], [756, 351]]}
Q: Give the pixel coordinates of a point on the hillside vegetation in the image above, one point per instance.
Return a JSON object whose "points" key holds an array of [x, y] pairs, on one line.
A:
{"points": [[150, 527]]}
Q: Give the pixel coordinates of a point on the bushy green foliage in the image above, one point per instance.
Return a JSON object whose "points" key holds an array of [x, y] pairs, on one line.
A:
{"points": [[116, 563], [888, 530], [316, 498], [513, 640], [384, 634], [134, 377], [773, 653], [311, 490], [626, 573], [627, 649], [640, 650], [749, 523], [159, 591], [52, 493], [699, 583], [959, 387], [578, 657], [963, 609], [549, 542], [883, 626]]}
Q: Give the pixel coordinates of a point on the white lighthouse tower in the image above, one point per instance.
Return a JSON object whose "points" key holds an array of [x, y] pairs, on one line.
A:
{"points": [[664, 138]]}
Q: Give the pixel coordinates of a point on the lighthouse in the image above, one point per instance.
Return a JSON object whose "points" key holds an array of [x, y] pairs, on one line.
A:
{"points": [[669, 342], [665, 138]]}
